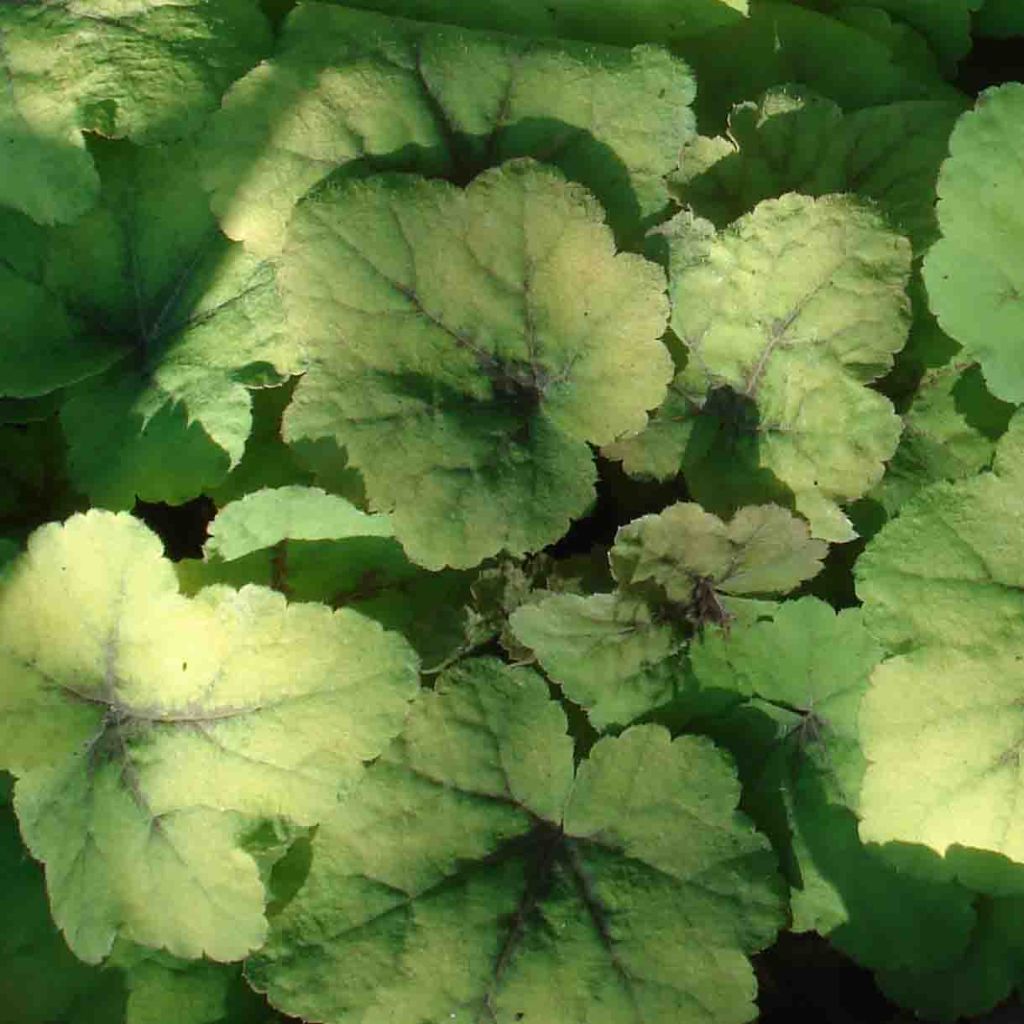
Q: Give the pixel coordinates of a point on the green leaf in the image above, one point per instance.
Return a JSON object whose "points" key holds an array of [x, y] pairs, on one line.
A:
{"points": [[762, 550], [190, 317], [784, 42], [811, 663], [148, 731], [986, 973], [797, 748], [948, 434], [786, 315], [948, 571], [266, 517], [946, 24], [973, 273], [312, 546], [606, 651], [349, 93], [494, 879], [146, 70], [160, 337], [791, 140], [605, 21], [490, 334], [1000, 19], [33, 471], [41, 980]]}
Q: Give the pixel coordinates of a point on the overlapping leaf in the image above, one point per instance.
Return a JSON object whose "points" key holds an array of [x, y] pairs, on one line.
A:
{"points": [[349, 92], [314, 546], [791, 140], [619, 655], [179, 319], [465, 346], [146, 70], [149, 732], [796, 742], [974, 273], [771, 402], [471, 876]]}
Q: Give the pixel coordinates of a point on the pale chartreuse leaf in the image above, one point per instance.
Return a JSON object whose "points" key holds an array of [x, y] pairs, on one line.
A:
{"points": [[949, 433], [761, 550], [349, 92], [146, 70], [466, 348], [941, 728], [606, 651], [148, 730], [798, 756], [973, 273], [948, 572], [786, 316], [266, 517], [791, 140], [470, 876]]}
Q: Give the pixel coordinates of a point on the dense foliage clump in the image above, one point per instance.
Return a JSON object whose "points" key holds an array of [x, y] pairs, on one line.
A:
{"points": [[506, 508]]}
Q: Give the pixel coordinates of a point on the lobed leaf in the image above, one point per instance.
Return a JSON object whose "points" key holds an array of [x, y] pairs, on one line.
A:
{"points": [[493, 879], [349, 93], [772, 398], [148, 731], [465, 346]]}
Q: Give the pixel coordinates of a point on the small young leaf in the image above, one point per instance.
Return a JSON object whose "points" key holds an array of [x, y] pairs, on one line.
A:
{"points": [[761, 550]]}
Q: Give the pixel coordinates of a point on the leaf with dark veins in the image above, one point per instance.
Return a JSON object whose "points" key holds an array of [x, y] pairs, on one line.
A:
{"points": [[786, 316], [472, 874], [467, 346], [158, 321], [149, 730], [349, 91]]}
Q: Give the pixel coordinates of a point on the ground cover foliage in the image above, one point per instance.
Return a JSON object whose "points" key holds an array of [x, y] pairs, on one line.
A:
{"points": [[508, 512]]}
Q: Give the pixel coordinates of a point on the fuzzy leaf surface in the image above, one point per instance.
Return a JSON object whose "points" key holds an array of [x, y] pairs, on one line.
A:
{"points": [[948, 572], [494, 878], [349, 92], [974, 275], [465, 346], [762, 550], [159, 338], [797, 748], [791, 140], [606, 651], [785, 315], [145, 70], [149, 730]]}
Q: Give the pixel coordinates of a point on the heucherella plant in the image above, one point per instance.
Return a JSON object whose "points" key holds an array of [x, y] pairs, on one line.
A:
{"points": [[509, 513]]}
